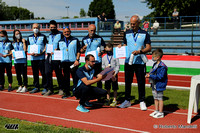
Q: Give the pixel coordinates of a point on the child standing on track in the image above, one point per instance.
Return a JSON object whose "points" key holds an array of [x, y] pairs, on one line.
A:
{"points": [[158, 79], [109, 61]]}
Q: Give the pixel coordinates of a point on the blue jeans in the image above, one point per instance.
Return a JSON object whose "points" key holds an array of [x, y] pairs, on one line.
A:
{"points": [[101, 25]]}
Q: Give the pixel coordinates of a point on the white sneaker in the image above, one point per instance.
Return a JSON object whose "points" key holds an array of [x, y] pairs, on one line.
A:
{"points": [[158, 115], [143, 106], [24, 89], [19, 89], [125, 104], [154, 113]]}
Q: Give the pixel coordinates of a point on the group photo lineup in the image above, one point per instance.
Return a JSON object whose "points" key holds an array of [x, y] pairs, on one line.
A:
{"points": [[102, 66]]}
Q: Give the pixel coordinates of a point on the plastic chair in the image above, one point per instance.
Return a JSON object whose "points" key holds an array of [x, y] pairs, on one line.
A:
{"points": [[194, 96]]}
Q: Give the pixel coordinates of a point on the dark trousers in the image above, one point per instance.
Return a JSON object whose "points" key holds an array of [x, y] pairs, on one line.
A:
{"points": [[155, 30], [175, 22], [97, 70], [21, 70], [140, 71], [51, 65], [8, 67], [39, 65], [86, 93], [66, 80], [114, 84], [118, 30]]}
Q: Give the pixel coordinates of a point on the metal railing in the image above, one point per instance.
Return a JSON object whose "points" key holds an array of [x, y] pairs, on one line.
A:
{"points": [[182, 21], [105, 26]]}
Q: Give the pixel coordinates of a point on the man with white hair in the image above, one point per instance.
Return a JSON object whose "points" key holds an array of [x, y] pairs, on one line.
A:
{"points": [[38, 60], [93, 42], [138, 43]]}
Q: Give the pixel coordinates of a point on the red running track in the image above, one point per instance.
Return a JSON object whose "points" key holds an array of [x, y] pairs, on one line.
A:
{"points": [[54, 110], [173, 80]]}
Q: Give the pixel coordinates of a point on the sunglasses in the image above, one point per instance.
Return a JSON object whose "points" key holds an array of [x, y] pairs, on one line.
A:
{"points": [[66, 27]]}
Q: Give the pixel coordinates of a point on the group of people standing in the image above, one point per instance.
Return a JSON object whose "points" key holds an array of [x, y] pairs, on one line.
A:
{"points": [[137, 41]]}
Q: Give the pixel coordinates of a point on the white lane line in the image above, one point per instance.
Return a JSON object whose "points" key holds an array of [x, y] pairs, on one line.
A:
{"points": [[78, 121], [168, 112], [49, 97]]}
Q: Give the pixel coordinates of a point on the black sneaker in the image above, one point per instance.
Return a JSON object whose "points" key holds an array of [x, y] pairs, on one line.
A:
{"points": [[10, 89]]}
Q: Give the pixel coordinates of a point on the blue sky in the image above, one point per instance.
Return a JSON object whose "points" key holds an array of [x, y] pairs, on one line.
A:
{"points": [[55, 9]]}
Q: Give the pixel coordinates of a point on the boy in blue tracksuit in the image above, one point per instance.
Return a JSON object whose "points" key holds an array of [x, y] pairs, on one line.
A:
{"points": [[158, 79]]}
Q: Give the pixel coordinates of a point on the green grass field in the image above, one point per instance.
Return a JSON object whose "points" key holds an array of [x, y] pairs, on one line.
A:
{"points": [[173, 100], [32, 127]]}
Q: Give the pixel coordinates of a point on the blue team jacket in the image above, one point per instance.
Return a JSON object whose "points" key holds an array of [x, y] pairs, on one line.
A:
{"points": [[160, 76]]}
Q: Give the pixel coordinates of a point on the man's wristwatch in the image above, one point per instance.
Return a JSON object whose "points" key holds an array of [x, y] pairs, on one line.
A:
{"points": [[77, 59]]}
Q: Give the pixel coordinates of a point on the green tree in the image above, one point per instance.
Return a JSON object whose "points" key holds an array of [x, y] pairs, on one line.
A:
{"points": [[76, 17], [165, 8], [97, 7], [13, 12], [25, 14], [65, 18], [2, 10], [31, 15], [82, 12]]}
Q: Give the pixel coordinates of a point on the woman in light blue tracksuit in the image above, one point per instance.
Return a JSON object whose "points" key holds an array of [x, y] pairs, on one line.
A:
{"points": [[19, 44]]}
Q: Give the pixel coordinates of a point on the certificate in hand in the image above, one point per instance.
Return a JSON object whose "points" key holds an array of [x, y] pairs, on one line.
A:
{"points": [[109, 71], [120, 52], [34, 49], [19, 54], [58, 55], [49, 48], [94, 53]]}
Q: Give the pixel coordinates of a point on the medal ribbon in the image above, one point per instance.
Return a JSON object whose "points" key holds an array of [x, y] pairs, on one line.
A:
{"points": [[89, 42], [67, 42], [109, 60], [52, 36], [17, 45], [3, 45], [155, 67], [135, 38], [35, 39]]}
